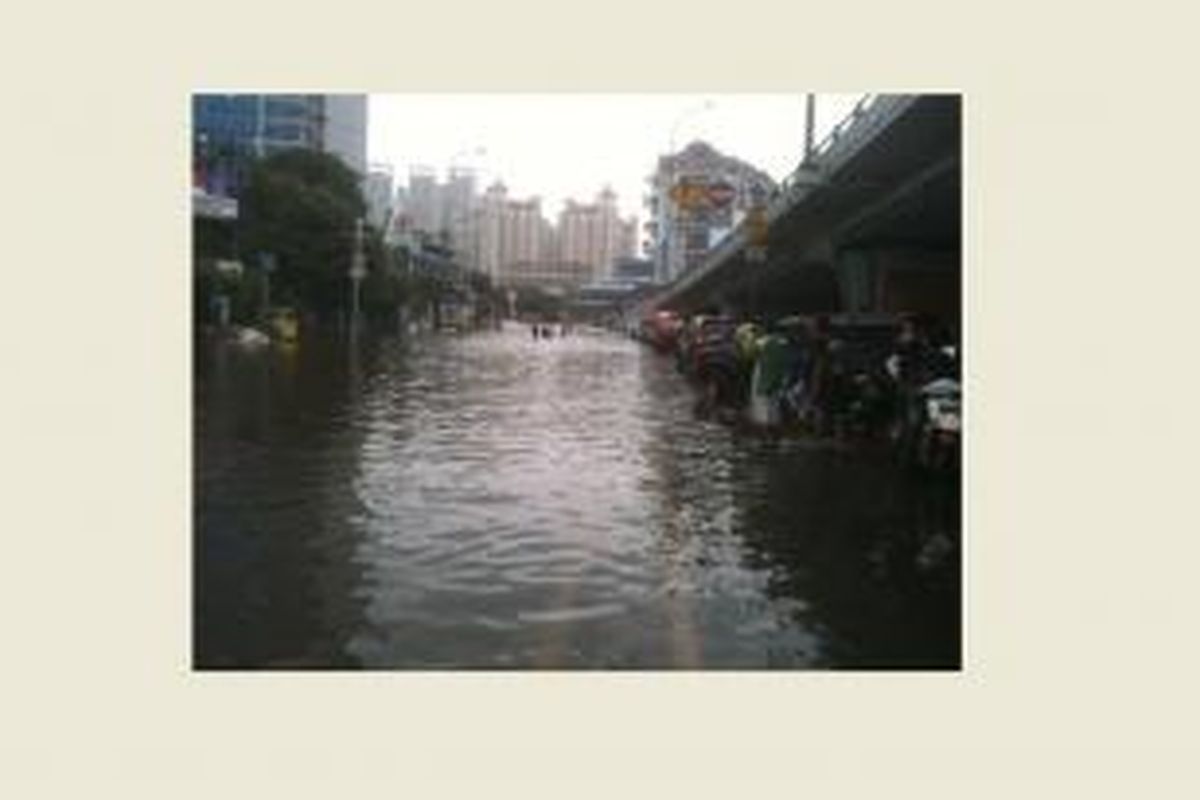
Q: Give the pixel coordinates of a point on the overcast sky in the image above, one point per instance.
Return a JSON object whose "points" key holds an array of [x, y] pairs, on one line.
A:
{"points": [[571, 145]]}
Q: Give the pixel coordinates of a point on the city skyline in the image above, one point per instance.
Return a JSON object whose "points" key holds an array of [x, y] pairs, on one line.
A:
{"points": [[562, 147], [511, 238]]}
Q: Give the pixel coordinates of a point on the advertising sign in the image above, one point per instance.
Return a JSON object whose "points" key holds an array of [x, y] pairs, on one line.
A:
{"points": [[756, 226], [721, 193], [690, 195]]}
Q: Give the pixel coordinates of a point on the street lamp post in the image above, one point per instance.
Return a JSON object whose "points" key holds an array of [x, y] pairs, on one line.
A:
{"points": [[358, 271], [810, 113], [267, 263]]}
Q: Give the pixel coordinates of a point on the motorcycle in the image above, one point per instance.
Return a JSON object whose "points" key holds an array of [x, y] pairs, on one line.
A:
{"points": [[927, 427], [940, 431]]}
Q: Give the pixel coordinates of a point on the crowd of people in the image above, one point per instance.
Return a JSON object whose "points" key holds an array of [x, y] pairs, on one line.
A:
{"points": [[544, 330], [888, 378]]}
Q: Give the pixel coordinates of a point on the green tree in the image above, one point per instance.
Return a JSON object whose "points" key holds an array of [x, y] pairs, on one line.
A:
{"points": [[302, 206], [383, 289]]}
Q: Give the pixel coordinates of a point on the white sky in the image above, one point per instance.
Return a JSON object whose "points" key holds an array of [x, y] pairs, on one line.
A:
{"points": [[560, 146]]}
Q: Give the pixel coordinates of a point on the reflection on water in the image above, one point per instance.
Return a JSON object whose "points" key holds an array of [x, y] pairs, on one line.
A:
{"points": [[495, 501]]}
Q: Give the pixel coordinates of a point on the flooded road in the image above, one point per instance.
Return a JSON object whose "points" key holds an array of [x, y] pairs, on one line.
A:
{"points": [[492, 501]]}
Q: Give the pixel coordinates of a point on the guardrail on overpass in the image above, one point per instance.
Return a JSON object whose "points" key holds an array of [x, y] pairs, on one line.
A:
{"points": [[871, 115]]}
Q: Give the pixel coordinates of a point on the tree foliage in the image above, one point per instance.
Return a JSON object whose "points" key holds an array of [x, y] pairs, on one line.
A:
{"points": [[302, 206]]}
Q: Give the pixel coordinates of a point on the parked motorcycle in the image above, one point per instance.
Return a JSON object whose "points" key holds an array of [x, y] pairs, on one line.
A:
{"points": [[927, 428], [938, 441]]}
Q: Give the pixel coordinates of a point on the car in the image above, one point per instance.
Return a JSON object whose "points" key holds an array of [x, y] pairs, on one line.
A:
{"points": [[661, 329]]}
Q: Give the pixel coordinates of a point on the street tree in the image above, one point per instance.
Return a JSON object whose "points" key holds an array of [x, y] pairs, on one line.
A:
{"points": [[302, 206]]}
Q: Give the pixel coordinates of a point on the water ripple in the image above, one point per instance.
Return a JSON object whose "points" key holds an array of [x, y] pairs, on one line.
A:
{"points": [[490, 500]]}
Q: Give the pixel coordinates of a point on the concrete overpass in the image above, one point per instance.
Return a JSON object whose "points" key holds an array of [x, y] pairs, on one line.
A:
{"points": [[871, 223]]}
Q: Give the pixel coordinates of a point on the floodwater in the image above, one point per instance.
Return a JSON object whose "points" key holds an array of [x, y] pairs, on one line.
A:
{"points": [[493, 501]]}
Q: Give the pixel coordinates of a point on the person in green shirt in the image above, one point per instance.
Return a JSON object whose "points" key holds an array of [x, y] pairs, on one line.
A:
{"points": [[768, 382]]}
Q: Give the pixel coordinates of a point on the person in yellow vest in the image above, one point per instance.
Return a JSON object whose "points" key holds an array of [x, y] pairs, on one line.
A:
{"points": [[769, 379], [745, 339]]}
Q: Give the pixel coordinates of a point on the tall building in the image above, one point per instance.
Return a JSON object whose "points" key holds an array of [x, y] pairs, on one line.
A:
{"points": [[458, 205], [509, 239], [681, 234], [490, 224], [345, 129], [231, 130], [379, 193], [512, 234], [593, 235], [424, 207], [523, 226]]}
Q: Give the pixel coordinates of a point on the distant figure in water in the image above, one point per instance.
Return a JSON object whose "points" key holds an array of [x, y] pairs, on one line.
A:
{"points": [[535, 331]]}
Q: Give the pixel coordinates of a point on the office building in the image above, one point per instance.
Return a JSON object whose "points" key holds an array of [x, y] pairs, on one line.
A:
{"points": [[424, 204], [458, 207], [593, 235], [230, 131], [379, 194], [697, 196], [345, 129]]}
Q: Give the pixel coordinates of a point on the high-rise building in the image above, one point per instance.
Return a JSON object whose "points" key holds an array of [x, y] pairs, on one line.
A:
{"points": [[380, 196], [509, 239], [512, 234], [424, 207], [550, 248], [458, 204], [682, 233], [523, 229], [490, 224], [231, 130], [594, 236], [345, 129]]}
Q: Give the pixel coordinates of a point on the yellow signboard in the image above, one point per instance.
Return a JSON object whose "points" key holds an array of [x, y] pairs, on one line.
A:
{"points": [[756, 226], [690, 195]]}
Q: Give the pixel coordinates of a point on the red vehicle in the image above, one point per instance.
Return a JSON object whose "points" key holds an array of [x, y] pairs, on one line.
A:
{"points": [[661, 329]]}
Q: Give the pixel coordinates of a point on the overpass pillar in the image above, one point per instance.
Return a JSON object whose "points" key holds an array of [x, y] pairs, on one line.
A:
{"points": [[856, 278], [899, 279]]}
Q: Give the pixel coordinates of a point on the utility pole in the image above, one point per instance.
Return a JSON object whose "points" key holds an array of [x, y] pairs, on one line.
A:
{"points": [[267, 263], [810, 112], [358, 271]]}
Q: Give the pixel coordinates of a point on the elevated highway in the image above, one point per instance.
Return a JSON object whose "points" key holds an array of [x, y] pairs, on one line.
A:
{"points": [[870, 223]]}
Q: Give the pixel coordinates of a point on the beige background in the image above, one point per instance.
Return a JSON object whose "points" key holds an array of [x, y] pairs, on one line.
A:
{"points": [[1082, 657]]}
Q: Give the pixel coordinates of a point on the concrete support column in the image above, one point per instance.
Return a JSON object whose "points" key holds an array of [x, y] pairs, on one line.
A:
{"points": [[856, 273]]}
